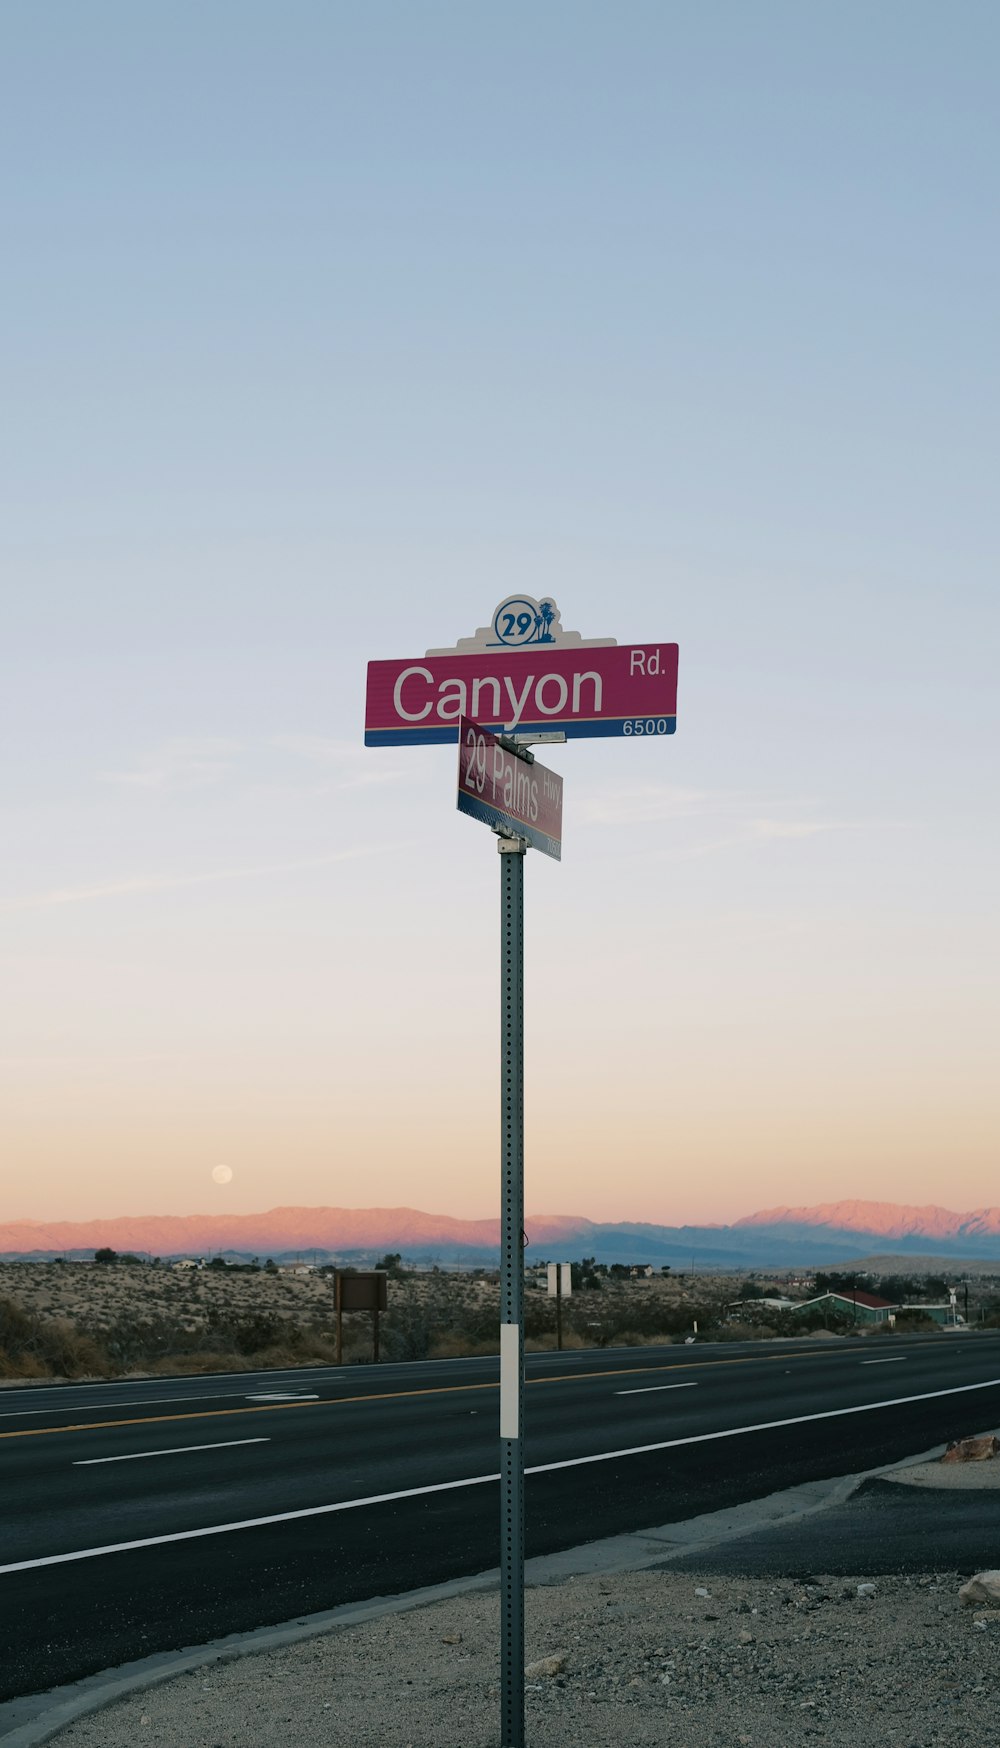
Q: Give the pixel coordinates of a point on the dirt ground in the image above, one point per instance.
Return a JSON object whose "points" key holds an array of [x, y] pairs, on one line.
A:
{"points": [[649, 1657]]}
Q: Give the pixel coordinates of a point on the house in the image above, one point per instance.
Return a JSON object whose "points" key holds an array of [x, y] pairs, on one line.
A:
{"points": [[189, 1262], [856, 1306]]}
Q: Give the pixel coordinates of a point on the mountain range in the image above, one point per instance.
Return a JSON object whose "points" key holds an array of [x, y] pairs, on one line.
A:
{"points": [[832, 1233]]}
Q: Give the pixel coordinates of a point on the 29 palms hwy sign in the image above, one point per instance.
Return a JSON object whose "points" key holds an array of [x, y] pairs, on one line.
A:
{"points": [[507, 792], [524, 674]]}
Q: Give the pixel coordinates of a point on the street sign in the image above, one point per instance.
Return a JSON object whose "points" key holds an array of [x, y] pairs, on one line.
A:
{"points": [[528, 678], [523, 674], [507, 792]]}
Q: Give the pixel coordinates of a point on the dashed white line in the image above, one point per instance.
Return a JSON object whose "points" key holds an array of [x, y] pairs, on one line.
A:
{"points": [[173, 1451], [282, 1396], [126, 1402], [648, 1389], [893, 1360]]}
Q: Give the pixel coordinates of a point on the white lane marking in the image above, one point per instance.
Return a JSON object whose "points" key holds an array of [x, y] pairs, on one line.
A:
{"points": [[174, 1451], [89, 1407], [282, 1396], [894, 1360], [647, 1389], [669, 1444]]}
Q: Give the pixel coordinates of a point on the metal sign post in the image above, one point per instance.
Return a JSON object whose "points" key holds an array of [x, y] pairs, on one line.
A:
{"points": [[560, 1285], [501, 784], [512, 852]]}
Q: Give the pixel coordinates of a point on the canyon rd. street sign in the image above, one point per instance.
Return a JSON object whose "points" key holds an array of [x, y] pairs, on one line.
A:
{"points": [[523, 674], [507, 792]]}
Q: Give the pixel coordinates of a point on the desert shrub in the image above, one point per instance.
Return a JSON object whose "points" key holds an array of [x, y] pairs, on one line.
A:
{"points": [[133, 1342], [205, 1361], [29, 1365], [453, 1347], [407, 1332], [619, 1312], [70, 1352], [17, 1328], [747, 1332], [540, 1318], [264, 1330], [572, 1343], [40, 1347]]}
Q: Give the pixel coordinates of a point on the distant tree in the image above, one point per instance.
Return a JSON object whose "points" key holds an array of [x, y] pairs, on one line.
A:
{"points": [[834, 1282], [391, 1262], [270, 1267], [899, 1289], [750, 1290], [584, 1276], [105, 1254], [218, 1262]]}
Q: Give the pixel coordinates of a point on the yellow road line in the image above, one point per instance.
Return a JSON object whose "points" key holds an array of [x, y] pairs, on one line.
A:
{"points": [[390, 1396]]}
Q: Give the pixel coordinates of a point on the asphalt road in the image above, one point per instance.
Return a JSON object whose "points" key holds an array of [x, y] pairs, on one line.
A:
{"points": [[146, 1516], [883, 1527]]}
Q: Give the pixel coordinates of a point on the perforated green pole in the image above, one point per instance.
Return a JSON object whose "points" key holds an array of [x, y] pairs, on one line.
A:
{"points": [[512, 1292]]}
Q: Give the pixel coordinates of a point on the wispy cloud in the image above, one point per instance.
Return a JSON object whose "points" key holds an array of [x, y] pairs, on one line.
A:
{"points": [[799, 828], [184, 764], [351, 766], [739, 815], [180, 764], [151, 883], [645, 803]]}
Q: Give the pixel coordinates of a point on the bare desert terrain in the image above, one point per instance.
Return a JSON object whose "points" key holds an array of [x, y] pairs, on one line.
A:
{"points": [[76, 1319]]}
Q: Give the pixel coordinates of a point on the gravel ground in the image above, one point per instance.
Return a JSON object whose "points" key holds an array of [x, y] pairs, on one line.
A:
{"points": [[648, 1657]]}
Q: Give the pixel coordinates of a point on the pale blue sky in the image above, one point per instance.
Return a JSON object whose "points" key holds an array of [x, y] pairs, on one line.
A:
{"points": [[326, 327]]}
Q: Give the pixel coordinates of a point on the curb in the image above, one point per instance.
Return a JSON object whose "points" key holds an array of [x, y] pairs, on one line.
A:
{"points": [[36, 1718]]}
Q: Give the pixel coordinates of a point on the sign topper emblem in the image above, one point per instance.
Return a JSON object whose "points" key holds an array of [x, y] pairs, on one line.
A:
{"points": [[521, 622]]}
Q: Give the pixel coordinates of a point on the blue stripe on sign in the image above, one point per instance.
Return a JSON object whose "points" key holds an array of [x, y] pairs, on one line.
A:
{"points": [[443, 734], [490, 815]]}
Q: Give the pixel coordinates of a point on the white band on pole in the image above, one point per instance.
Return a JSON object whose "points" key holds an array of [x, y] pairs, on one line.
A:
{"points": [[510, 1391]]}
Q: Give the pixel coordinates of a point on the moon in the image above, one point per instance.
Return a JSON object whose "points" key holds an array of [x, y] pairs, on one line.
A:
{"points": [[223, 1174]]}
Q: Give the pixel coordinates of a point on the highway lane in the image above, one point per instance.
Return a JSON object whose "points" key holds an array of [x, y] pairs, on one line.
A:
{"points": [[390, 1433], [183, 1461]]}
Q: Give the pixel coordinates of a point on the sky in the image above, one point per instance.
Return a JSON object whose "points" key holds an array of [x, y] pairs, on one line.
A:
{"points": [[327, 326]]}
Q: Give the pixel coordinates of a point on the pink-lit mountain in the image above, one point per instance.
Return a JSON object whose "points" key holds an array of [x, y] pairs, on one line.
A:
{"points": [[881, 1219], [830, 1233]]}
